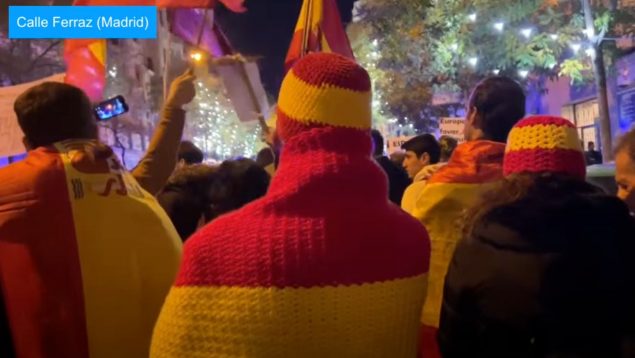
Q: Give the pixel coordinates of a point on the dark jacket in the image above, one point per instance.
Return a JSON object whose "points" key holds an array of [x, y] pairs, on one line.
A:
{"points": [[550, 275], [397, 179]]}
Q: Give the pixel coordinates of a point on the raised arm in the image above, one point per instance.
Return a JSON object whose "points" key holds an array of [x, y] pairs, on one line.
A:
{"points": [[159, 161]]}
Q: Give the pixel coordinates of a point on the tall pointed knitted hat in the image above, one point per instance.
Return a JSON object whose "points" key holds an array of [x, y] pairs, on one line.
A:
{"points": [[322, 90], [544, 144], [323, 265]]}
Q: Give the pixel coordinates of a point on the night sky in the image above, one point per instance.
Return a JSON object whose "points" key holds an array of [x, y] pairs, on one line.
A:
{"points": [[265, 31]]}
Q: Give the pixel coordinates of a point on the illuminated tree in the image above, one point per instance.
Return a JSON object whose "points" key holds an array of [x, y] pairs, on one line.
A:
{"points": [[214, 126]]}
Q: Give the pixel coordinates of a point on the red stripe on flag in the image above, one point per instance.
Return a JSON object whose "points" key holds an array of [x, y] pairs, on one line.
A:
{"points": [[39, 262], [83, 69]]}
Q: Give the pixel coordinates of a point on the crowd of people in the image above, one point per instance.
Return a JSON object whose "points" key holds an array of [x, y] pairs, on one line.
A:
{"points": [[321, 247]]}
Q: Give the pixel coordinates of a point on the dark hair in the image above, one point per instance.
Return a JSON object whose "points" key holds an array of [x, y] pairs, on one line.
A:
{"points": [[425, 143], [378, 142], [186, 197], [52, 112], [517, 187], [265, 157], [190, 153], [500, 104], [627, 142], [239, 182], [447, 144]]}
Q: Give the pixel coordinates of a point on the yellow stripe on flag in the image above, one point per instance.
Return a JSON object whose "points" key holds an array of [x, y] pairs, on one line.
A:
{"points": [[537, 136], [338, 106], [317, 9], [98, 49], [129, 253], [441, 210], [370, 320]]}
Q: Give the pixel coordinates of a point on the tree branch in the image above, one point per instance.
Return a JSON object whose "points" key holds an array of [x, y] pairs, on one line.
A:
{"points": [[41, 55]]}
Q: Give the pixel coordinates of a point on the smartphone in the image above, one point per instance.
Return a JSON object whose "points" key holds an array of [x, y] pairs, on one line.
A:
{"points": [[111, 108]]}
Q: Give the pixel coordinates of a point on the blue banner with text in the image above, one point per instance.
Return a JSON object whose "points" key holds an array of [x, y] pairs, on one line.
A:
{"points": [[82, 22]]}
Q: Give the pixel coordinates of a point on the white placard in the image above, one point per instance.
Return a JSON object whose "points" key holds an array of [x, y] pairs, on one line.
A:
{"points": [[10, 132], [453, 127]]}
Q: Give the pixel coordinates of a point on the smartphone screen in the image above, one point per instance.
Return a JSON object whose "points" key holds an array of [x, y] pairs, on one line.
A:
{"points": [[111, 108]]}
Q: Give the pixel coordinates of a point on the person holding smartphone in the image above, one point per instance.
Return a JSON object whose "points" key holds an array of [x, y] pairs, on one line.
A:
{"points": [[87, 255]]}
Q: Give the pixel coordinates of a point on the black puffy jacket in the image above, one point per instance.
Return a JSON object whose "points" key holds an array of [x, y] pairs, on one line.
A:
{"points": [[550, 275]]}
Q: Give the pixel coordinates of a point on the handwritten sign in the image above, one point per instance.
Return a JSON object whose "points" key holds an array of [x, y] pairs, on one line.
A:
{"points": [[395, 143], [10, 132], [453, 127]]}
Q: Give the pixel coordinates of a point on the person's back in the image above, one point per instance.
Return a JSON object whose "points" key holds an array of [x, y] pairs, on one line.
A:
{"points": [[546, 268], [86, 255], [323, 265], [495, 106], [397, 178]]}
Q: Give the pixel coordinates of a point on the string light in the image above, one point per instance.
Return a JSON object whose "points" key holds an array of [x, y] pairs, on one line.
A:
{"points": [[218, 130], [526, 32]]}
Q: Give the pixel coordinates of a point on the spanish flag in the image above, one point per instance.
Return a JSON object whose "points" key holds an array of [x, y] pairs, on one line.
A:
{"points": [[86, 256], [319, 29], [474, 168]]}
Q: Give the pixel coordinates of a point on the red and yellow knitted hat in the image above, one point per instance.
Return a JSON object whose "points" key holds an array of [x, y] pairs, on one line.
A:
{"points": [[321, 90], [544, 144]]}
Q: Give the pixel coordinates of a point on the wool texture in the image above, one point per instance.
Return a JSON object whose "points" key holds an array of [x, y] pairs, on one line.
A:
{"points": [[322, 266], [544, 144]]}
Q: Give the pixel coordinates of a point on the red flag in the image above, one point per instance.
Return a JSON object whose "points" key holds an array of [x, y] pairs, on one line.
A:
{"points": [[234, 5], [319, 29], [86, 66]]}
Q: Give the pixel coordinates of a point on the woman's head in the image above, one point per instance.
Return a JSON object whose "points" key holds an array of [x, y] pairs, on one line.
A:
{"points": [[238, 182], [496, 104], [526, 187]]}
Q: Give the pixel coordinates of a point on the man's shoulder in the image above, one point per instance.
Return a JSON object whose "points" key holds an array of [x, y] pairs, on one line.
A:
{"points": [[29, 175]]}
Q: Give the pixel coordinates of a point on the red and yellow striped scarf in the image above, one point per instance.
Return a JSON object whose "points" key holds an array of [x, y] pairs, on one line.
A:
{"points": [[322, 266]]}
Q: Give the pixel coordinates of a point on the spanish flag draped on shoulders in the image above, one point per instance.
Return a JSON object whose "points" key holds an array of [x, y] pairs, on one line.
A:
{"points": [[86, 255], [474, 167]]}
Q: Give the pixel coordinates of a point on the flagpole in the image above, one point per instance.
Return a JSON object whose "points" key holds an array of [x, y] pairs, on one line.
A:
{"points": [[167, 53], [306, 32], [202, 28]]}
